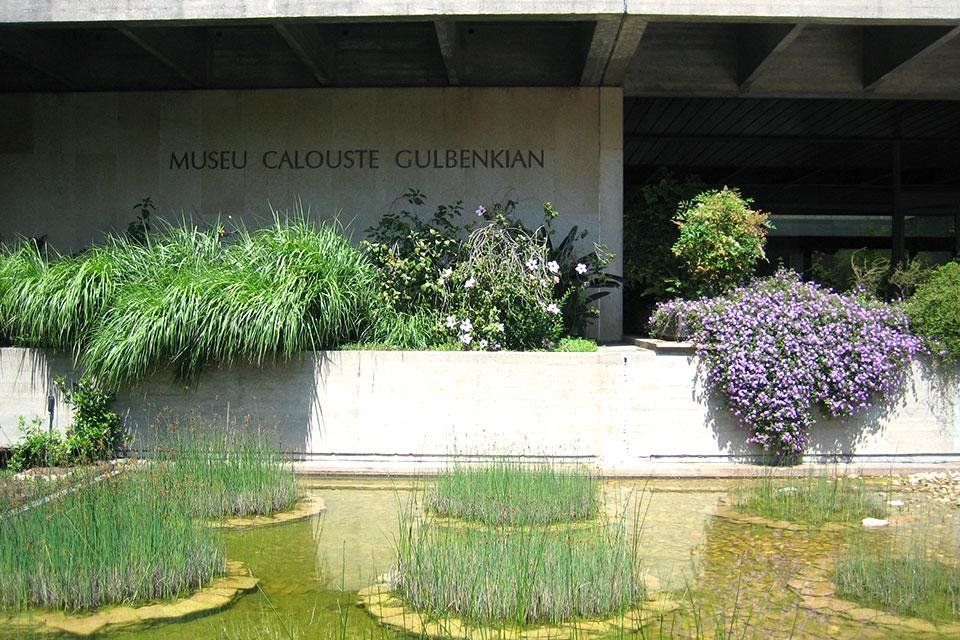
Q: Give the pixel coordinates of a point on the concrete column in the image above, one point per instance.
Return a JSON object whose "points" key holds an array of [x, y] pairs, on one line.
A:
{"points": [[610, 205]]}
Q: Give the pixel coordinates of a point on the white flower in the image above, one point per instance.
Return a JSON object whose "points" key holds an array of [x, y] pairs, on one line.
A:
{"points": [[483, 343], [556, 279], [532, 264], [481, 210], [499, 326], [553, 308], [451, 322], [466, 326], [469, 283], [553, 266], [466, 338], [581, 268], [446, 273]]}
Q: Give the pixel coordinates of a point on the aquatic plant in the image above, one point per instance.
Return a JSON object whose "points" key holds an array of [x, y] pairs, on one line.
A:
{"points": [[812, 499], [226, 472], [912, 582], [511, 493], [128, 538], [518, 576], [779, 349]]}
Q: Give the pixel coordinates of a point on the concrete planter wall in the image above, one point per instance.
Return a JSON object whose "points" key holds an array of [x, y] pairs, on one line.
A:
{"points": [[619, 407]]}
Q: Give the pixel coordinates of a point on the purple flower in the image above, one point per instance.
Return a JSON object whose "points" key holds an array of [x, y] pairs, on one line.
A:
{"points": [[481, 210]]}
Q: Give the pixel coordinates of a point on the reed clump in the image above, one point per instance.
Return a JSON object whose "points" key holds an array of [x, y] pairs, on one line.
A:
{"points": [[127, 538], [812, 499], [513, 494], [227, 472], [913, 582]]}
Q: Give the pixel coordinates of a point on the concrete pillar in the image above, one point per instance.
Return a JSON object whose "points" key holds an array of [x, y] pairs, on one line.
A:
{"points": [[610, 205]]}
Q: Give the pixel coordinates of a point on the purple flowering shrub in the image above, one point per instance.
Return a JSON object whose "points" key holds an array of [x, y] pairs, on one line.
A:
{"points": [[779, 349]]}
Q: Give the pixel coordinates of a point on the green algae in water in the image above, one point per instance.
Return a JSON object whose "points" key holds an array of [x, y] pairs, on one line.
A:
{"points": [[910, 582], [506, 493], [812, 500]]}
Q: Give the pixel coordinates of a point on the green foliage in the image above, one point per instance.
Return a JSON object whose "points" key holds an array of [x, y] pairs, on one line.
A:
{"points": [[97, 430], [139, 229], [912, 583], [227, 472], [38, 447], [813, 499], [514, 494], [190, 297], [422, 261], [581, 345], [934, 310], [721, 240], [130, 538]]}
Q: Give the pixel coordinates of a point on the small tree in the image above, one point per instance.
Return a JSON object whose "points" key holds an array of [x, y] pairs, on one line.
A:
{"points": [[721, 241]]}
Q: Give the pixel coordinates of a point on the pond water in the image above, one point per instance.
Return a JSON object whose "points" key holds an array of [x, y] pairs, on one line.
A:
{"points": [[735, 574]]}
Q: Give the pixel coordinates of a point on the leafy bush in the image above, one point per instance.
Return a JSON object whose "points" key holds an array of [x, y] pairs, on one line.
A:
{"points": [[779, 349], [721, 240], [449, 271], [934, 310], [581, 345], [37, 448]]}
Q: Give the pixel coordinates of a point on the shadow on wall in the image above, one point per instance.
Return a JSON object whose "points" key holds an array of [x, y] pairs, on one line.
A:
{"points": [[928, 392], [278, 399], [26, 381]]}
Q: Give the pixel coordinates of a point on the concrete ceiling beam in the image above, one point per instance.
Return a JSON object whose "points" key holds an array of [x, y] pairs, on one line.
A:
{"points": [[46, 52], [624, 49], [451, 49], [758, 46], [313, 46], [180, 50], [888, 50], [605, 33]]}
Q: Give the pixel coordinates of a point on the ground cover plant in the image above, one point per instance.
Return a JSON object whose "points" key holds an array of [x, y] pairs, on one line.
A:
{"points": [[914, 582], [227, 472], [812, 499], [519, 576], [780, 350], [187, 297], [132, 537], [514, 494]]}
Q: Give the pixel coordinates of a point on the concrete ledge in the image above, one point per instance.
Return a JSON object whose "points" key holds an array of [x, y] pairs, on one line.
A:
{"points": [[662, 347]]}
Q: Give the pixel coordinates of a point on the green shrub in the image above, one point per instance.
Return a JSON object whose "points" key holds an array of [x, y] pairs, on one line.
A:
{"points": [[515, 494], [581, 345], [130, 538], [721, 240], [934, 310], [96, 431], [38, 447]]}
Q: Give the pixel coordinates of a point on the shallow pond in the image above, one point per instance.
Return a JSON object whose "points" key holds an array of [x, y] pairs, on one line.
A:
{"points": [[722, 572]]}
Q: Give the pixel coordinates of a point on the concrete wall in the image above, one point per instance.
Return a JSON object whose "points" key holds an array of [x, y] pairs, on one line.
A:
{"points": [[73, 165], [148, 10], [620, 408]]}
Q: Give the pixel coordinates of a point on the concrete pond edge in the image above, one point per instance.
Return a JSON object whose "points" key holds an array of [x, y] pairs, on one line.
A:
{"points": [[222, 592]]}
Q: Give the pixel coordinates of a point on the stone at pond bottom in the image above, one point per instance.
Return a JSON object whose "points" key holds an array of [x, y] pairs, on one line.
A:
{"points": [[862, 614], [871, 523], [895, 503]]}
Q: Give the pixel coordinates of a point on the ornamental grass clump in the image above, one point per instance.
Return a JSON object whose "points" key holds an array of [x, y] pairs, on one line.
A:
{"points": [[813, 500], [513, 494], [128, 538], [520, 576], [913, 582], [222, 473], [781, 350]]}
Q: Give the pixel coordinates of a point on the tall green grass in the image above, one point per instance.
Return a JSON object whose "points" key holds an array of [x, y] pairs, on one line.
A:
{"points": [[128, 538], [225, 472], [191, 297], [912, 582], [509, 493], [519, 576], [814, 499]]}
